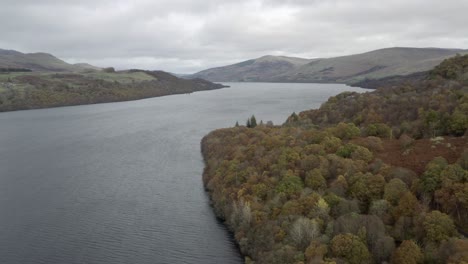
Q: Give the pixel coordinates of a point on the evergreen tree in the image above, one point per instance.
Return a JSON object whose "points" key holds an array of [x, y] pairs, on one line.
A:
{"points": [[294, 117], [248, 124], [253, 122]]}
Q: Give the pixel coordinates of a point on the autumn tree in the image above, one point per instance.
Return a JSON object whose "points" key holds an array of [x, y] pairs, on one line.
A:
{"points": [[458, 123], [407, 206], [290, 184], [366, 187], [378, 130], [379, 207], [438, 227], [454, 251], [383, 248], [351, 248], [394, 190], [431, 179], [453, 194], [345, 130], [315, 252], [407, 253], [315, 180], [339, 186]]}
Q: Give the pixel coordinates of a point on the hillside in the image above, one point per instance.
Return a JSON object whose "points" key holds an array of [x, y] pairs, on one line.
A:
{"points": [[390, 81], [264, 68], [377, 177], [40, 62], [40, 80], [31, 90], [86, 66], [347, 69]]}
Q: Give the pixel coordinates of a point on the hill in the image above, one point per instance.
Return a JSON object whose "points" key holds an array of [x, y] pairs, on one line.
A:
{"points": [[260, 69], [40, 80], [346, 69], [377, 177], [31, 90], [86, 66], [38, 62]]}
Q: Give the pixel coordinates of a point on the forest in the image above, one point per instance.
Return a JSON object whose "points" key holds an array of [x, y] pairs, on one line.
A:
{"points": [[377, 177], [34, 90]]}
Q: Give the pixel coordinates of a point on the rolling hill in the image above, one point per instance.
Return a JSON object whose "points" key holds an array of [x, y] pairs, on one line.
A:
{"points": [[40, 80], [346, 69], [261, 69], [39, 62]]}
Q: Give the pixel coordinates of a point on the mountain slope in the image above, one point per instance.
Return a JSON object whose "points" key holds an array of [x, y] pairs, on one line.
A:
{"points": [[260, 69], [374, 64], [346, 69], [42, 62]]}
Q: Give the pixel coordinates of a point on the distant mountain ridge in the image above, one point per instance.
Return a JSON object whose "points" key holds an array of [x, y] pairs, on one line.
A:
{"points": [[263, 68], [39, 62], [398, 61]]}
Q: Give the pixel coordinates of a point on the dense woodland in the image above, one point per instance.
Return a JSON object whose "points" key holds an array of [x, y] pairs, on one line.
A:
{"points": [[41, 90], [378, 177], [390, 81]]}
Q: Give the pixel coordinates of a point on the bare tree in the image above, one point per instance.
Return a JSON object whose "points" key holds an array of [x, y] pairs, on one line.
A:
{"points": [[303, 231]]}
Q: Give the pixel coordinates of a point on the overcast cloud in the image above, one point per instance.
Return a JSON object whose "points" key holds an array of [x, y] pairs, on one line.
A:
{"points": [[186, 36]]}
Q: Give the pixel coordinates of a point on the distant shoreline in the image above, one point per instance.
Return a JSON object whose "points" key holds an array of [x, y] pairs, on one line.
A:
{"points": [[38, 90]]}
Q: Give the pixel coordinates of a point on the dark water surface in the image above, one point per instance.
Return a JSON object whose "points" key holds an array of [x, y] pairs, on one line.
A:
{"points": [[121, 182]]}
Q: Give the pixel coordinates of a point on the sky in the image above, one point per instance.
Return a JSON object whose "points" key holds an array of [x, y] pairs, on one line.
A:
{"points": [[186, 36]]}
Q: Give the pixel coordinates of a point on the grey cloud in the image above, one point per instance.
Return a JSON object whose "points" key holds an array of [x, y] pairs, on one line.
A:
{"points": [[187, 35]]}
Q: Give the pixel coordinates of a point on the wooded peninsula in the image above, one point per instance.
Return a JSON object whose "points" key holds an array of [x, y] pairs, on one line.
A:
{"points": [[367, 178]]}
